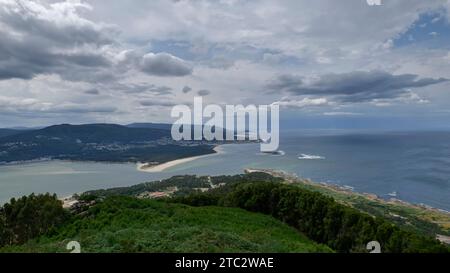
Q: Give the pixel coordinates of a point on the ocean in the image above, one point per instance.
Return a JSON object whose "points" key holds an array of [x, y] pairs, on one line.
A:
{"points": [[411, 166]]}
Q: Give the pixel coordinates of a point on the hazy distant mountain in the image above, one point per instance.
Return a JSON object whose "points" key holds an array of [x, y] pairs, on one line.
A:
{"points": [[162, 126], [96, 142], [98, 133], [165, 126], [9, 132]]}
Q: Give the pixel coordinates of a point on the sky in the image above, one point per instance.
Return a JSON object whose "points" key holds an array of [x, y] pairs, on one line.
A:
{"points": [[328, 64]]}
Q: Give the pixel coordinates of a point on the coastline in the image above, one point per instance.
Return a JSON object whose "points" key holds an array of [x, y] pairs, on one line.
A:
{"points": [[396, 208], [145, 167], [393, 208], [347, 190]]}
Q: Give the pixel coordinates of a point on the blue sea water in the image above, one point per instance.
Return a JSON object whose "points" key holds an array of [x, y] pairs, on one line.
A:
{"points": [[413, 165]]}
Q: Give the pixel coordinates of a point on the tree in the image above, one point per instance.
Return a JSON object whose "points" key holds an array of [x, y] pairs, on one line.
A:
{"points": [[322, 219], [30, 216]]}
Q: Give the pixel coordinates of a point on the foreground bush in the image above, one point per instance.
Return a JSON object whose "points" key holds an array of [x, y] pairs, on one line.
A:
{"points": [[321, 218], [28, 217]]}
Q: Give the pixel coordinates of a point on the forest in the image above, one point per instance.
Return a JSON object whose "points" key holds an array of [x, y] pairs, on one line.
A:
{"points": [[29, 217], [113, 219], [319, 217]]}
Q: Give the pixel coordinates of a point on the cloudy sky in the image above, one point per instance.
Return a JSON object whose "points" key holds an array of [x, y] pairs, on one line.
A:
{"points": [[330, 64]]}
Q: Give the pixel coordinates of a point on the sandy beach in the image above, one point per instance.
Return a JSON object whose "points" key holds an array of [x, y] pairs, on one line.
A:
{"points": [[144, 167]]}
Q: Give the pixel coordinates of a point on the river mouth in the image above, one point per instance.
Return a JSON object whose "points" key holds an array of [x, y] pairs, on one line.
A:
{"points": [[416, 171]]}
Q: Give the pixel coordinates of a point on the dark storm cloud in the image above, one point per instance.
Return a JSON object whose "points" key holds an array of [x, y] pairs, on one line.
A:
{"points": [[38, 109], [156, 103], [160, 90], [38, 40], [132, 88], [54, 39], [81, 109], [186, 89], [203, 92], [164, 65], [42, 21], [92, 92], [356, 86]]}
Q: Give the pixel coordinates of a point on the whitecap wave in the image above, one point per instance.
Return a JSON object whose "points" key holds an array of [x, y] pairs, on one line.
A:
{"points": [[347, 187], [276, 153], [393, 194], [311, 157]]}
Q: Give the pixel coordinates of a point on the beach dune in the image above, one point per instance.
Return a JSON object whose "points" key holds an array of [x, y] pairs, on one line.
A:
{"points": [[145, 167]]}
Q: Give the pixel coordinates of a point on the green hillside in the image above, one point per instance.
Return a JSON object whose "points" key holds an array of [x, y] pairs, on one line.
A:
{"points": [[96, 142], [126, 224], [324, 217], [253, 213]]}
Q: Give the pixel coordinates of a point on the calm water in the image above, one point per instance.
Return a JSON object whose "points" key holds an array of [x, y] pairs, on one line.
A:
{"points": [[414, 165]]}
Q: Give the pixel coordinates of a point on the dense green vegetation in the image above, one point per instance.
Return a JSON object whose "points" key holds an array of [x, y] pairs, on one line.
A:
{"points": [[321, 218], [28, 217], [127, 224], [185, 183], [410, 217], [255, 212], [90, 133]]}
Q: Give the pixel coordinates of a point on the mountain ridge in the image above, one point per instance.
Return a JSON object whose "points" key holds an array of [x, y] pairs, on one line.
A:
{"points": [[97, 142]]}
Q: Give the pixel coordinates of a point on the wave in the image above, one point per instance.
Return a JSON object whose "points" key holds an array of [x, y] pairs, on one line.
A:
{"points": [[347, 187], [393, 194], [276, 153], [311, 157]]}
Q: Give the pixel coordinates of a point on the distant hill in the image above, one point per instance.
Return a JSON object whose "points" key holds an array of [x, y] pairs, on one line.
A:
{"points": [[161, 126], [9, 132], [96, 142], [98, 133]]}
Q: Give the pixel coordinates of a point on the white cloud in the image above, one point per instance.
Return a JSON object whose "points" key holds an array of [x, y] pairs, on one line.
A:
{"points": [[164, 64], [305, 102], [44, 39], [141, 51], [55, 38]]}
